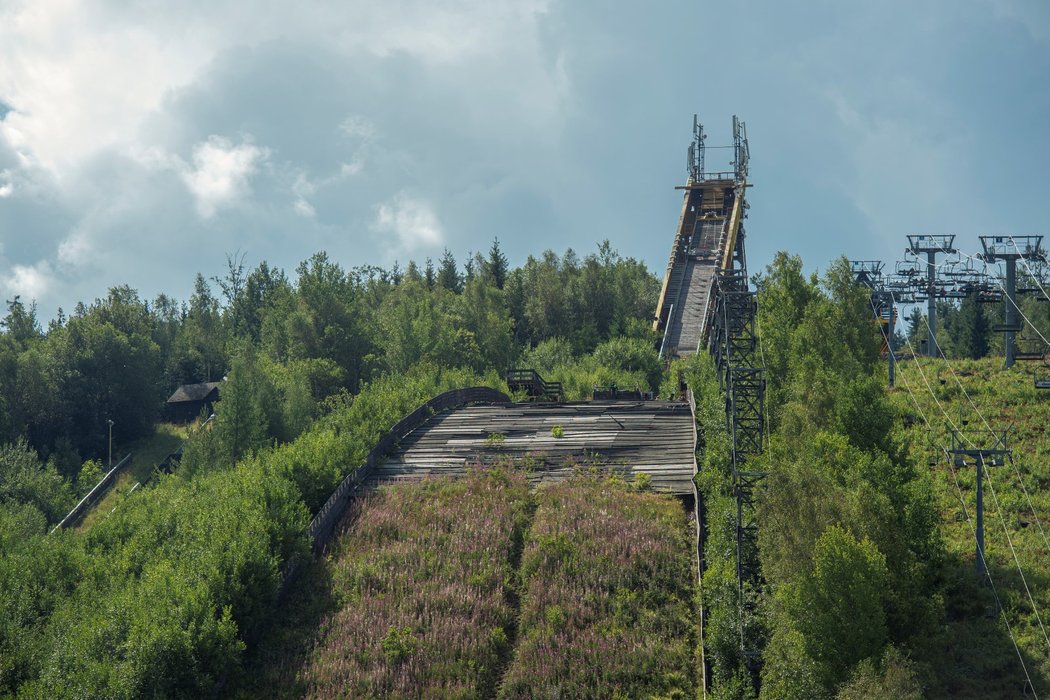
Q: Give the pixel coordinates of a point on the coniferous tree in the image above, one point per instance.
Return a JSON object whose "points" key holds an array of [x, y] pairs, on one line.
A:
{"points": [[497, 265], [412, 272], [21, 323], [244, 414], [396, 274], [469, 268], [428, 274], [973, 329], [448, 276]]}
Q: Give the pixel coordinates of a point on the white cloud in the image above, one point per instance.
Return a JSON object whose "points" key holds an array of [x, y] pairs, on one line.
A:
{"points": [[354, 167], [75, 250], [302, 188], [109, 65], [357, 126], [22, 180], [108, 107], [408, 224], [305, 209], [221, 172], [79, 77], [28, 281]]}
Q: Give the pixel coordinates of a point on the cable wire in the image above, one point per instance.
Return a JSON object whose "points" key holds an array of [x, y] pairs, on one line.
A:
{"points": [[1028, 267], [995, 498], [969, 520], [1017, 472], [1014, 303]]}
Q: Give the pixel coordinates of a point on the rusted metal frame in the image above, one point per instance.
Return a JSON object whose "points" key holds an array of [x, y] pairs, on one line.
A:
{"points": [[733, 345]]}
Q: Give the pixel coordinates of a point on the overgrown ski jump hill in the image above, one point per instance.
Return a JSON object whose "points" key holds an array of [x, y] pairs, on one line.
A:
{"points": [[476, 588]]}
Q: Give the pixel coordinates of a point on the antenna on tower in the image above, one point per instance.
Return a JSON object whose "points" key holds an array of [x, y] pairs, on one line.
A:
{"points": [[697, 151]]}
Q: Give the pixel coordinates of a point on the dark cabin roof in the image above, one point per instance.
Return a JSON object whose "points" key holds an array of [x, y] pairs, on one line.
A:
{"points": [[193, 392]]}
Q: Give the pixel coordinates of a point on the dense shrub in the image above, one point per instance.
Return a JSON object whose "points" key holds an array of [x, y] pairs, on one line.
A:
{"points": [[319, 459], [628, 363], [24, 479], [161, 597], [178, 577]]}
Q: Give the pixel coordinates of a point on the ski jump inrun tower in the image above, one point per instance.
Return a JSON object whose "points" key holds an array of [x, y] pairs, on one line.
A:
{"points": [[705, 302]]}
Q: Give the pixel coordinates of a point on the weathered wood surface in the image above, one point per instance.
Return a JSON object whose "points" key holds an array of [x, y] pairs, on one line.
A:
{"points": [[699, 266], [655, 437]]}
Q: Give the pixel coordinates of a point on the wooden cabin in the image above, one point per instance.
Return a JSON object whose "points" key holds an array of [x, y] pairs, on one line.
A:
{"points": [[190, 400]]}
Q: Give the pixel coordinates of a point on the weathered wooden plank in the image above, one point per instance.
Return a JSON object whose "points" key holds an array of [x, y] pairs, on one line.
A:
{"points": [[656, 438]]}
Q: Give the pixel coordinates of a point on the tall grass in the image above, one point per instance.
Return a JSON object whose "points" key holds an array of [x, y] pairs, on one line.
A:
{"points": [[608, 604], [425, 574]]}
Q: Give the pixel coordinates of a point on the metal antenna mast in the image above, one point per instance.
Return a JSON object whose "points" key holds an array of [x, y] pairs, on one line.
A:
{"points": [[697, 152], [741, 153]]}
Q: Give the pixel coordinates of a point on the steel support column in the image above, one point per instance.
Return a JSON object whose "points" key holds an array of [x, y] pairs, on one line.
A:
{"points": [[931, 305], [1010, 315]]}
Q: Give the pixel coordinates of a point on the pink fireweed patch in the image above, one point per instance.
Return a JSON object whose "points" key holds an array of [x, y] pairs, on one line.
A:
{"points": [[425, 570], [608, 604]]}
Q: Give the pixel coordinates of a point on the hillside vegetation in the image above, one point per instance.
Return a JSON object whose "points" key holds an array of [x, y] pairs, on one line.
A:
{"points": [[978, 652], [167, 596], [864, 547], [865, 529], [847, 546], [608, 581], [426, 574]]}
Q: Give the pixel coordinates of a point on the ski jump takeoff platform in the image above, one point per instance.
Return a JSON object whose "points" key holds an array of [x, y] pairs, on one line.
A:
{"points": [[551, 441]]}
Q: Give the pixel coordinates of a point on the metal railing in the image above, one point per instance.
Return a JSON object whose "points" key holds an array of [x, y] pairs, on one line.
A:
{"points": [[667, 331], [323, 524], [720, 175], [93, 496], [534, 384]]}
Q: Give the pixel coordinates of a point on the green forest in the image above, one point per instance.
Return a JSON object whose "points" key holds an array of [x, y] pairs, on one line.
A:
{"points": [[580, 590]]}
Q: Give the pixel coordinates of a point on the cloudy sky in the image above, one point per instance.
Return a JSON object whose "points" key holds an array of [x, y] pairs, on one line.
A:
{"points": [[142, 141]]}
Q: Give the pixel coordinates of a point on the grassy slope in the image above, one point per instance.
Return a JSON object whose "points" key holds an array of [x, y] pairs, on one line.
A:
{"points": [[147, 453], [975, 657]]}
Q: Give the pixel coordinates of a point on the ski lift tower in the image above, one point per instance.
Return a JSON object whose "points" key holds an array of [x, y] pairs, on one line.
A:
{"points": [[931, 246], [980, 449], [1010, 249]]}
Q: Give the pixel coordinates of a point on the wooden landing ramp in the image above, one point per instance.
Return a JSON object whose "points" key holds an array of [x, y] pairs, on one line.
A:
{"points": [[654, 437]]}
